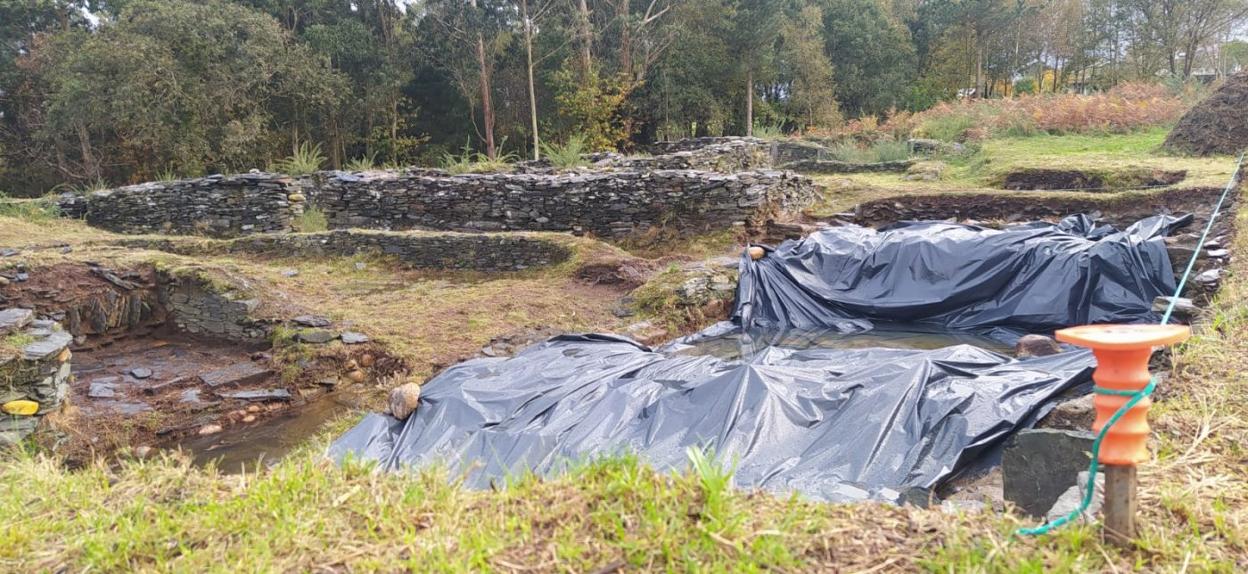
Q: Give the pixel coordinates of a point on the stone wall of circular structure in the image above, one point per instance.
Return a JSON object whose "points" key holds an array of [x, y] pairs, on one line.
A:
{"points": [[486, 252], [605, 204]]}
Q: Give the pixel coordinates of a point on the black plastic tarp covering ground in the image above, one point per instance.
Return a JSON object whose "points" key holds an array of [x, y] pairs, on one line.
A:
{"points": [[833, 424], [1035, 277]]}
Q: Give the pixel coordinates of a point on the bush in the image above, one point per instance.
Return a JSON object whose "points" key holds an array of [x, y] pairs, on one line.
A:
{"points": [[306, 159], [468, 161], [568, 155], [365, 163]]}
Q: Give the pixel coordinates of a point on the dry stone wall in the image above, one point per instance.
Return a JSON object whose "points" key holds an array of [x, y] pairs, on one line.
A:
{"points": [[488, 252], [606, 204], [219, 206]]}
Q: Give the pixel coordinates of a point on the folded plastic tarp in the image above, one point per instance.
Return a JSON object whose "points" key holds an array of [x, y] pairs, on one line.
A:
{"points": [[834, 424], [1034, 277]]}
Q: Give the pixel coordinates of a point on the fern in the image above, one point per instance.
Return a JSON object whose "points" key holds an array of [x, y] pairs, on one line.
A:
{"points": [[306, 159], [569, 155]]}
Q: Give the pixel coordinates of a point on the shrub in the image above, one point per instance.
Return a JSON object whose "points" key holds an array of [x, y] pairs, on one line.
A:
{"points": [[469, 161], [306, 159], [569, 154], [769, 131], [365, 163]]}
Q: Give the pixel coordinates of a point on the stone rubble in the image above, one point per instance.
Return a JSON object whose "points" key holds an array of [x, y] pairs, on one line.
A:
{"points": [[37, 370]]}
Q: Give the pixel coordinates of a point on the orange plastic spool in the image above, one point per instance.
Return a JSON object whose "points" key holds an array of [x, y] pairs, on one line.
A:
{"points": [[1122, 353]]}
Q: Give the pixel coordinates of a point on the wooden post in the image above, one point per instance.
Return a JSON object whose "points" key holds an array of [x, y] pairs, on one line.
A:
{"points": [[1120, 503]]}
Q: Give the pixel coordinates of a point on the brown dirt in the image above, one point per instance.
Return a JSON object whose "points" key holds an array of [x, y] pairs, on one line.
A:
{"points": [[1085, 180], [1117, 209], [1217, 125]]}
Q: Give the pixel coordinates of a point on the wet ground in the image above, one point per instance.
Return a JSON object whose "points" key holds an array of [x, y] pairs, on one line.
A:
{"points": [[249, 446], [737, 345]]}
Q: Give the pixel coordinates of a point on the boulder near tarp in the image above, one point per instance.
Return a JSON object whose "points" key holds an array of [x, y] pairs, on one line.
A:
{"points": [[1035, 277], [831, 423]]}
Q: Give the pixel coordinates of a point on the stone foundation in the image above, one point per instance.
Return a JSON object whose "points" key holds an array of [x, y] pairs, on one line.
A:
{"points": [[199, 309]]}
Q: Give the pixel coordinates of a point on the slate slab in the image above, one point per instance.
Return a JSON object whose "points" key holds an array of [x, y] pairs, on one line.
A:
{"points": [[244, 373], [259, 395]]}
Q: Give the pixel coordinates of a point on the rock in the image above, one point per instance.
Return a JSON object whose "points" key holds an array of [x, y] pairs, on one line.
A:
{"points": [[140, 373], [1076, 414], [244, 373], [353, 338], [258, 395], [13, 319], [1073, 497], [141, 452], [290, 273], [1035, 346], [312, 321], [367, 360], [1038, 465], [8, 252], [51, 343], [315, 336], [1184, 309], [1209, 277], [253, 408], [190, 396], [295, 197], [356, 376], [249, 419], [403, 400], [360, 266], [210, 429], [102, 390], [1217, 253]]}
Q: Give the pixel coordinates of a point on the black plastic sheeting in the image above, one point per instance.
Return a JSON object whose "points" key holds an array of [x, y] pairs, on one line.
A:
{"points": [[1035, 277], [835, 424]]}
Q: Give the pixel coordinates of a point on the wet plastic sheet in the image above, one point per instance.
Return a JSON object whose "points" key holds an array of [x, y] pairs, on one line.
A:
{"points": [[834, 424], [1034, 277]]}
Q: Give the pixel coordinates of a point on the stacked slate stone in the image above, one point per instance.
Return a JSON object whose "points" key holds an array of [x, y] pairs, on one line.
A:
{"points": [[606, 204], [220, 206], [198, 309], [692, 144], [34, 372]]}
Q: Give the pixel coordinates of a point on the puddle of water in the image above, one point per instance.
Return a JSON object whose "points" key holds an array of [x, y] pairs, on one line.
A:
{"points": [[246, 447], [736, 345]]}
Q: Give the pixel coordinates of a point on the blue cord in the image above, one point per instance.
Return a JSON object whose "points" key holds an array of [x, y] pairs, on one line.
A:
{"points": [[1136, 396]]}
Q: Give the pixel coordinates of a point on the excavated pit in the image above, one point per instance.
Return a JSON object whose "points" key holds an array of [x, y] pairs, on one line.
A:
{"points": [[1037, 179], [165, 361]]}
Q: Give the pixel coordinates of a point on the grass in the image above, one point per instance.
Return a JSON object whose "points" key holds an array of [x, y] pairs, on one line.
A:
{"points": [[311, 220], [39, 210], [877, 152], [468, 161], [977, 171]]}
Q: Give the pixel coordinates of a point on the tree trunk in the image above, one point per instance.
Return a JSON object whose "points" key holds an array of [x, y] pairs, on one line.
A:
{"points": [[626, 39], [528, 56], [749, 103], [587, 38], [487, 103]]}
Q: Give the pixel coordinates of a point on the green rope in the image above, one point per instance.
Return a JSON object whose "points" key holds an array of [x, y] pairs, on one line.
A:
{"points": [[1136, 396]]}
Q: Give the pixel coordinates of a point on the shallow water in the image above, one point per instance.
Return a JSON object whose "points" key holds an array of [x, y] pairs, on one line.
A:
{"points": [[263, 443], [734, 344]]}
